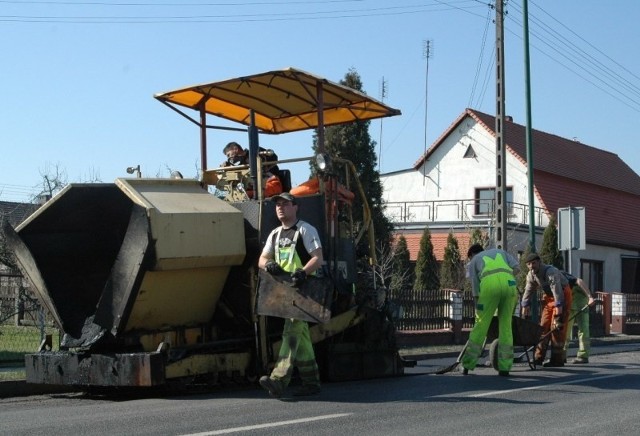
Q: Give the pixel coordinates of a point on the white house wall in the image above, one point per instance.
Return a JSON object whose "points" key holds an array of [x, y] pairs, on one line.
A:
{"points": [[448, 176], [612, 264]]}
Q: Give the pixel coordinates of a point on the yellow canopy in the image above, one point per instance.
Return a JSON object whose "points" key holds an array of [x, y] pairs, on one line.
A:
{"points": [[283, 101]]}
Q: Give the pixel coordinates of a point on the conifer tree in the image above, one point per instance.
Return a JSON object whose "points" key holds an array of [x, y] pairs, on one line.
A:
{"points": [[352, 141], [478, 237], [549, 252], [522, 276], [426, 265], [402, 276], [452, 269]]}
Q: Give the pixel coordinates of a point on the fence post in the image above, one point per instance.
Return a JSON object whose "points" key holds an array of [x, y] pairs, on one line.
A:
{"points": [[606, 312], [455, 314], [618, 312]]}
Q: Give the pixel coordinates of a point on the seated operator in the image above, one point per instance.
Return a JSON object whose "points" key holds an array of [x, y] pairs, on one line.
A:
{"points": [[236, 155]]}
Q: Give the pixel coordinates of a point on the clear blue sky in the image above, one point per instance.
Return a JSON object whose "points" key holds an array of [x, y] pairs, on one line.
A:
{"points": [[78, 77]]}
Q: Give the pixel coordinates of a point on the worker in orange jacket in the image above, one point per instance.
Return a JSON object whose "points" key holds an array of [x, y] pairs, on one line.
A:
{"points": [[555, 310]]}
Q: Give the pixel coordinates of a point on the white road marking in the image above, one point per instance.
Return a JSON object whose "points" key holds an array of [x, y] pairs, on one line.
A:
{"points": [[270, 424], [487, 394]]}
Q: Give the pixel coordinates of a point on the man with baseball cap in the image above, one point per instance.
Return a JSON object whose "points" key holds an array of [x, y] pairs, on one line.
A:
{"points": [[293, 248], [555, 309]]}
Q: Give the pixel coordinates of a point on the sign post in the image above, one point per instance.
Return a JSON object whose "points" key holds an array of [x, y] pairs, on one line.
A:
{"points": [[571, 230]]}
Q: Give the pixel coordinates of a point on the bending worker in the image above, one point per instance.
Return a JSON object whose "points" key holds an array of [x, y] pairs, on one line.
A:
{"points": [[581, 296], [494, 287], [555, 310], [293, 248]]}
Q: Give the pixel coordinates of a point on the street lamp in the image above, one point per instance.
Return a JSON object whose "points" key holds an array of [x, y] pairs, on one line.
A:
{"points": [[136, 170]]}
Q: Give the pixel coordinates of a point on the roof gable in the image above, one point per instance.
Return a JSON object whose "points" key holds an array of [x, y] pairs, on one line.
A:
{"points": [[555, 155], [568, 173]]}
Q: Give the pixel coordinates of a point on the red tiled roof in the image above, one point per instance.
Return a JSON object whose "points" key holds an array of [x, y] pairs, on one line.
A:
{"points": [[566, 157], [439, 241], [569, 173]]}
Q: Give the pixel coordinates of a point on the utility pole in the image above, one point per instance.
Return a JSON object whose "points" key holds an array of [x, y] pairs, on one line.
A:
{"points": [[427, 53], [501, 155], [383, 94], [535, 309], [527, 82]]}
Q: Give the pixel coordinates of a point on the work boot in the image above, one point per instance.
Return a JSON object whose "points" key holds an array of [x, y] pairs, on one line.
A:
{"points": [[580, 360], [306, 390], [538, 362], [553, 364], [274, 387]]}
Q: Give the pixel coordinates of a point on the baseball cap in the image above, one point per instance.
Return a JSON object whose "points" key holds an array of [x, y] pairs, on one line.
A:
{"points": [[284, 196], [531, 257]]}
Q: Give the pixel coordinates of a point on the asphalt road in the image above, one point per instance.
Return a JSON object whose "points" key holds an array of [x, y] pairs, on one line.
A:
{"points": [[594, 399]]}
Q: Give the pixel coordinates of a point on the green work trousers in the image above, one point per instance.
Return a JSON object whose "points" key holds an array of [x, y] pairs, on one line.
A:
{"points": [[582, 321], [497, 291], [296, 351]]}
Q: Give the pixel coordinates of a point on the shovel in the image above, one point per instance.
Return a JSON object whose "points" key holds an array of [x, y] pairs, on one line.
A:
{"points": [[455, 364]]}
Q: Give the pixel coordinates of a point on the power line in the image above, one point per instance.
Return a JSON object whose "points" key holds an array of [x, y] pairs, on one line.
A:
{"points": [[581, 63], [17, 193], [480, 56], [435, 6]]}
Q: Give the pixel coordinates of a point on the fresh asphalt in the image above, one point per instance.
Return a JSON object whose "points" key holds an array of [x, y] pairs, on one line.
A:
{"points": [[419, 360]]}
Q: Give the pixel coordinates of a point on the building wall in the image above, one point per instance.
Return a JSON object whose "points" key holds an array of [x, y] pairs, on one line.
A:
{"points": [[612, 264], [448, 176]]}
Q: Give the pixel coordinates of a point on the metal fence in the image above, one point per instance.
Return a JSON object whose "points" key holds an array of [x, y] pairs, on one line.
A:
{"points": [[633, 308], [432, 310], [24, 323]]}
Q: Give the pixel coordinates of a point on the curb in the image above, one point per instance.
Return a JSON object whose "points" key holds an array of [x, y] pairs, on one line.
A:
{"points": [[595, 342], [20, 388]]}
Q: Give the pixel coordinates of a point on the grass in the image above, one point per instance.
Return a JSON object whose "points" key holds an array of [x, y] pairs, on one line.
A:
{"points": [[11, 374], [16, 341]]}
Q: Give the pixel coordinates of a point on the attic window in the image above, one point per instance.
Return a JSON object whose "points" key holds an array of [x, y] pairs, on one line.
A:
{"points": [[470, 153]]}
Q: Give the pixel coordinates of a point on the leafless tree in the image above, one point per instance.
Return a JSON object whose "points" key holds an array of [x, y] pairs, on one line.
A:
{"points": [[54, 179]]}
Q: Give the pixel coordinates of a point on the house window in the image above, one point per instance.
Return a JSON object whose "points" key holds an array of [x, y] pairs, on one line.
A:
{"points": [[630, 275], [591, 271], [485, 200]]}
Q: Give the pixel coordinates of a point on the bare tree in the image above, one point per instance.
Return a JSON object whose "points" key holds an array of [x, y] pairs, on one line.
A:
{"points": [[54, 179]]}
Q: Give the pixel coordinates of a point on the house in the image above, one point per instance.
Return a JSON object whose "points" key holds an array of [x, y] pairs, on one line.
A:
{"points": [[452, 187], [14, 213]]}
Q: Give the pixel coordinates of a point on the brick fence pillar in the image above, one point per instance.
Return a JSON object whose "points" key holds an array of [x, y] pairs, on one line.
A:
{"points": [[606, 311], [618, 312]]}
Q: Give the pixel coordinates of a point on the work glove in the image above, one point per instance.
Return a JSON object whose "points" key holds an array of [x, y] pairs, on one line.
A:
{"points": [[298, 276], [557, 322], [273, 268]]}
